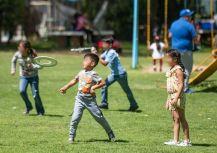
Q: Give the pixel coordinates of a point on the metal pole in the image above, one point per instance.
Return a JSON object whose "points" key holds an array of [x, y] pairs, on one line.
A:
{"points": [[165, 22], [212, 22], [135, 35], [148, 22]]}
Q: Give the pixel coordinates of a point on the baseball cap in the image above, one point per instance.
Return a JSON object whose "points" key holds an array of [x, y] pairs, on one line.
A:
{"points": [[108, 40], [186, 12]]}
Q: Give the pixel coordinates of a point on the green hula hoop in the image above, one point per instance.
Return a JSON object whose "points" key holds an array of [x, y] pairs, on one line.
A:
{"points": [[45, 61]]}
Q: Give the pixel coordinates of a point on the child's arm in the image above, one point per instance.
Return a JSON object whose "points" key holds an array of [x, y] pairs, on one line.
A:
{"points": [[150, 47], [13, 64], [180, 76], [68, 85], [103, 62], [100, 84], [165, 46]]}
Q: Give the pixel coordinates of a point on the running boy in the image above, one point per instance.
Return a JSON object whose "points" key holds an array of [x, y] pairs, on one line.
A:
{"points": [[176, 98], [157, 49], [88, 81], [111, 59]]}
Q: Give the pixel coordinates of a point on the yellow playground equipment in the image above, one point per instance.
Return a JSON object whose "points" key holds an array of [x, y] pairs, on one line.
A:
{"points": [[201, 74]]}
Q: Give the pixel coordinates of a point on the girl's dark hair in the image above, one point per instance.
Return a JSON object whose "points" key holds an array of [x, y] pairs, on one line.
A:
{"points": [[176, 56], [27, 45]]}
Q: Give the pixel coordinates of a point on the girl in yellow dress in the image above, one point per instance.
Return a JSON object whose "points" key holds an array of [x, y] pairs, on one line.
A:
{"points": [[176, 98]]}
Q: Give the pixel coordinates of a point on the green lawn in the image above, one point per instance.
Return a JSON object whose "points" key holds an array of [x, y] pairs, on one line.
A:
{"points": [[143, 131]]}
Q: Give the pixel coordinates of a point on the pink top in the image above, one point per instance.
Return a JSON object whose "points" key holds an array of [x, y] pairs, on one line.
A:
{"points": [[81, 22]]}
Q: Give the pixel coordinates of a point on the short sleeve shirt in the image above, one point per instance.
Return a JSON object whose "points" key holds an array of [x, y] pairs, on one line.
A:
{"points": [[112, 57], [157, 54], [183, 34], [87, 79]]}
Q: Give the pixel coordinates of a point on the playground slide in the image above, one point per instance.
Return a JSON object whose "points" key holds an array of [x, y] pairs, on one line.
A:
{"points": [[203, 75]]}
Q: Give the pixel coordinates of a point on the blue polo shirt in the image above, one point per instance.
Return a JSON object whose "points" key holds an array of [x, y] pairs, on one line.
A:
{"points": [[183, 33], [112, 57]]}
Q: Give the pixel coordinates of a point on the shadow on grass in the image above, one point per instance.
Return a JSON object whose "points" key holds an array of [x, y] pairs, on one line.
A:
{"points": [[207, 86], [124, 110], [209, 89], [48, 115], [105, 140], [203, 145]]}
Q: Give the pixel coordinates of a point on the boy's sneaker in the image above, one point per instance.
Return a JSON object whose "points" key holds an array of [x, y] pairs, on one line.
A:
{"points": [[103, 106], [40, 114], [185, 144], [71, 140], [171, 143], [27, 111], [133, 108], [111, 136], [189, 91]]}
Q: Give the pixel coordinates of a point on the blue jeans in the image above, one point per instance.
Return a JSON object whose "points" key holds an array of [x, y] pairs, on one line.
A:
{"points": [[34, 82], [122, 80]]}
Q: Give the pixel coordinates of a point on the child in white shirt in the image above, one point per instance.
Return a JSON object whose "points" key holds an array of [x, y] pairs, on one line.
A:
{"points": [[157, 49]]}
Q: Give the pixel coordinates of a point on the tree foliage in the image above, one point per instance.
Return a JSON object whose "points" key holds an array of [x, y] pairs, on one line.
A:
{"points": [[11, 14]]}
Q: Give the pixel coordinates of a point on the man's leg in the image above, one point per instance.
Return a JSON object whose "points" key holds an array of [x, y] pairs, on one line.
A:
{"points": [[76, 117], [104, 93], [97, 115], [35, 92], [187, 60], [23, 86], [125, 86]]}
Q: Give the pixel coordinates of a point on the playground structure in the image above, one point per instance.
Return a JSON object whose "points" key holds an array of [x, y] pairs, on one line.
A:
{"points": [[200, 73], [195, 79], [212, 66]]}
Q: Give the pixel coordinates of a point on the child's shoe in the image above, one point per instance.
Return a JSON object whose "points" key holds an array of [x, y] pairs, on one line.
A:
{"points": [[189, 91], [111, 136], [133, 108], [103, 106], [171, 143], [27, 111], [71, 140], [185, 144], [40, 114]]}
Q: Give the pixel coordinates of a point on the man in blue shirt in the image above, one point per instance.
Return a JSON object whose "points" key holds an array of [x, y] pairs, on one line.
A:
{"points": [[183, 34], [111, 59]]}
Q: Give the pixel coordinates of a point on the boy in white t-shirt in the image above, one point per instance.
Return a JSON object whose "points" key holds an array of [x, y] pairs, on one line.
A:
{"points": [[157, 49]]}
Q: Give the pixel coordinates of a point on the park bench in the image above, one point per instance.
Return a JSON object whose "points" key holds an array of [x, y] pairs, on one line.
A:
{"points": [[75, 38]]}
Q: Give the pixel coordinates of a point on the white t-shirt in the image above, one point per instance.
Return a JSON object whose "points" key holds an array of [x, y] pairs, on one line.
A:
{"points": [[157, 54]]}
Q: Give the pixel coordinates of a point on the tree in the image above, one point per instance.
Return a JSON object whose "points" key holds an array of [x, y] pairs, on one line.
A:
{"points": [[10, 15]]}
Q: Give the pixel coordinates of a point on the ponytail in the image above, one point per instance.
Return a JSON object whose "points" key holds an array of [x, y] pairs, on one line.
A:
{"points": [[179, 62]]}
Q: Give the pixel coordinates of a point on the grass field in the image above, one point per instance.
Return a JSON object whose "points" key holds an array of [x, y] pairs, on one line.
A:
{"points": [[143, 131]]}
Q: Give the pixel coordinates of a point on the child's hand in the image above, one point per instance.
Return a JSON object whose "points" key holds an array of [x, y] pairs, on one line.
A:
{"points": [[92, 91], [167, 104], [63, 90], [174, 101]]}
